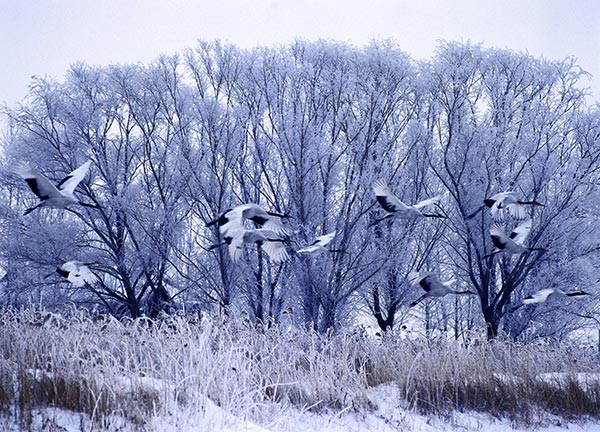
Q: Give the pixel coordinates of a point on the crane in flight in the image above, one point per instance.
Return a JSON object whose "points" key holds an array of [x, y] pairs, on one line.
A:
{"points": [[433, 286], [397, 209], [271, 242], [505, 201], [76, 272], [234, 219], [319, 245], [59, 196], [513, 243]]}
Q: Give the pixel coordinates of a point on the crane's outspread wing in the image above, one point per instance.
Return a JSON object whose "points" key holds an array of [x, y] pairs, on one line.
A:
{"points": [[231, 221], [387, 199], [82, 277], [273, 223], [77, 273], [501, 201], [496, 212], [257, 214], [319, 243], [235, 240], [539, 296], [271, 242], [276, 250], [325, 239], [499, 238], [428, 202], [87, 275], [253, 212], [314, 247], [517, 210], [505, 197], [521, 232], [70, 182], [415, 277], [37, 182]]}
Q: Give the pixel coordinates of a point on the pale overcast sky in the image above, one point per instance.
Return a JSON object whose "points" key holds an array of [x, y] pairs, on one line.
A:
{"points": [[45, 37]]}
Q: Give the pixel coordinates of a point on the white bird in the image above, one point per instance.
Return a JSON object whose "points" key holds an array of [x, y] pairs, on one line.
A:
{"points": [[77, 273], [271, 242], [319, 244], [397, 208], [234, 219], [505, 201], [514, 243], [432, 286], [59, 196], [543, 295]]}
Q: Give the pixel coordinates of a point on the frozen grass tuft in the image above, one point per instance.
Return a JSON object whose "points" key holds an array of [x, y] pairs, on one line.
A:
{"points": [[140, 369]]}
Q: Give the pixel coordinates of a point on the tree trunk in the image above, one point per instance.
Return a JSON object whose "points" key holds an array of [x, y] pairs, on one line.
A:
{"points": [[492, 322], [386, 323], [327, 321]]}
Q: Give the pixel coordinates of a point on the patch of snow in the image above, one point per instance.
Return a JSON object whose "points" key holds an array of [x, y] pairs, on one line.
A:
{"points": [[206, 418]]}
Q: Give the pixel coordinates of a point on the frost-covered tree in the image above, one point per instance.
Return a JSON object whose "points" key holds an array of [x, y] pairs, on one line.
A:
{"points": [[501, 121], [116, 117], [305, 130]]}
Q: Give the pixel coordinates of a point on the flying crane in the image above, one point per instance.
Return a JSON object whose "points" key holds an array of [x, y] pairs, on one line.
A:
{"points": [[505, 201], [513, 243], [319, 245], [59, 196], [397, 209], [76, 272], [432, 286]]}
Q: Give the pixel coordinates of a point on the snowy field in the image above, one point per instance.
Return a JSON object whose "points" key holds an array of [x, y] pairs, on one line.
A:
{"points": [[388, 416], [86, 373]]}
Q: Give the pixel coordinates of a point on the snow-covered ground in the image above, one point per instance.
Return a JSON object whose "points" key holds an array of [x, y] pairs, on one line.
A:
{"points": [[387, 416], [182, 376]]}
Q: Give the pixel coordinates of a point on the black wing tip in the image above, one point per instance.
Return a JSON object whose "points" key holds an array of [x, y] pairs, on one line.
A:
{"points": [[33, 185], [578, 293], [259, 220], [384, 202], [63, 181], [62, 272], [497, 241]]}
